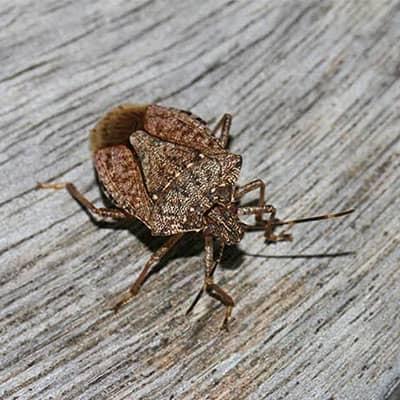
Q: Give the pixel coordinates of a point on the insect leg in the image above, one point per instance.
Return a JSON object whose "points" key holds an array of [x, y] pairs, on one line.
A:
{"points": [[283, 236], [249, 187], [212, 288], [269, 225], [201, 291], [221, 130], [266, 209], [151, 262], [84, 202]]}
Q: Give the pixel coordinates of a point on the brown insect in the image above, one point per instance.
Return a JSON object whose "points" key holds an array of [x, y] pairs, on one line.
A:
{"points": [[168, 169]]}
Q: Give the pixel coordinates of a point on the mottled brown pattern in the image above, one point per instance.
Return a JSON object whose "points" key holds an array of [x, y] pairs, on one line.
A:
{"points": [[177, 165], [184, 202], [161, 161], [120, 175], [180, 127]]}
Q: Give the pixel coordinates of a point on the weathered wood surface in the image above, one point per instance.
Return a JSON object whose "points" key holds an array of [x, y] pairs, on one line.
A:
{"points": [[314, 87]]}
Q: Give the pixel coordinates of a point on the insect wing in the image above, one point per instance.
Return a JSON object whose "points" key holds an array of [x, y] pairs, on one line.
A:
{"points": [[181, 128], [119, 173]]}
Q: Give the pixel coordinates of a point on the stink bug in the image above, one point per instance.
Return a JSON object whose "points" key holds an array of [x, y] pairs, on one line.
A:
{"points": [[168, 169]]}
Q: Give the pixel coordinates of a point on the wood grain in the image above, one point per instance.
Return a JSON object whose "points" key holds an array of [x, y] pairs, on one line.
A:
{"points": [[314, 87]]}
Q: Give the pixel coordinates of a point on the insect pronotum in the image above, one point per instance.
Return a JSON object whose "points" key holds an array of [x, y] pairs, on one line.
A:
{"points": [[168, 169]]}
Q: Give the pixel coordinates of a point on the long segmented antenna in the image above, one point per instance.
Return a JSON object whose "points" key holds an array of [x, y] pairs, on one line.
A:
{"points": [[277, 222], [309, 219]]}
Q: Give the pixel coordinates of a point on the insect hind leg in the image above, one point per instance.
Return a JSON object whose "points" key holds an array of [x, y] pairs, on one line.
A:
{"points": [[260, 210], [84, 202], [218, 293], [257, 184]]}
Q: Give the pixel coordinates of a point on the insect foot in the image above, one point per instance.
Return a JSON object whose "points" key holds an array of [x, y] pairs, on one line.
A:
{"points": [[271, 237], [171, 171], [123, 299]]}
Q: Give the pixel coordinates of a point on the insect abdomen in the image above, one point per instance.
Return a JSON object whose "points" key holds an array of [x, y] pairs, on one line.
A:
{"points": [[117, 125]]}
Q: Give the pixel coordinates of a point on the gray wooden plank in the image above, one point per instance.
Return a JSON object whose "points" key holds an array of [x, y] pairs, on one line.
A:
{"points": [[314, 89]]}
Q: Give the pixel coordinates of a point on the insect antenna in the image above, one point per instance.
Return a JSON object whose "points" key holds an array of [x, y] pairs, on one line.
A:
{"points": [[309, 219], [273, 222]]}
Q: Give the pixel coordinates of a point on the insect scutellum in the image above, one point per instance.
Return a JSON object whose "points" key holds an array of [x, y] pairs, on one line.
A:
{"points": [[168, 169]]}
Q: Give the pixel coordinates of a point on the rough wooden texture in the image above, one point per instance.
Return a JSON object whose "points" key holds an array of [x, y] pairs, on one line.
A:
{"points": [[314, 87]]}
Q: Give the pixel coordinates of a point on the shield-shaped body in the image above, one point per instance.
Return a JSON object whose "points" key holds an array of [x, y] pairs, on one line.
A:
{"points": [[161, 165]]}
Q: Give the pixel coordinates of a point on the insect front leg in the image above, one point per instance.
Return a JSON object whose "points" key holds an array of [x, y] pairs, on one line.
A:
{"points": [[257, 184], [201, 291], [150, 264], [221, 130], [268, 225], [259, 211], [84, 202], [212, 288], [283, 236]]}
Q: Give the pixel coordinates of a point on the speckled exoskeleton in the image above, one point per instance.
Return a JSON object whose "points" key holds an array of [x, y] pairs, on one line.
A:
{"points": [[168, 169]]}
